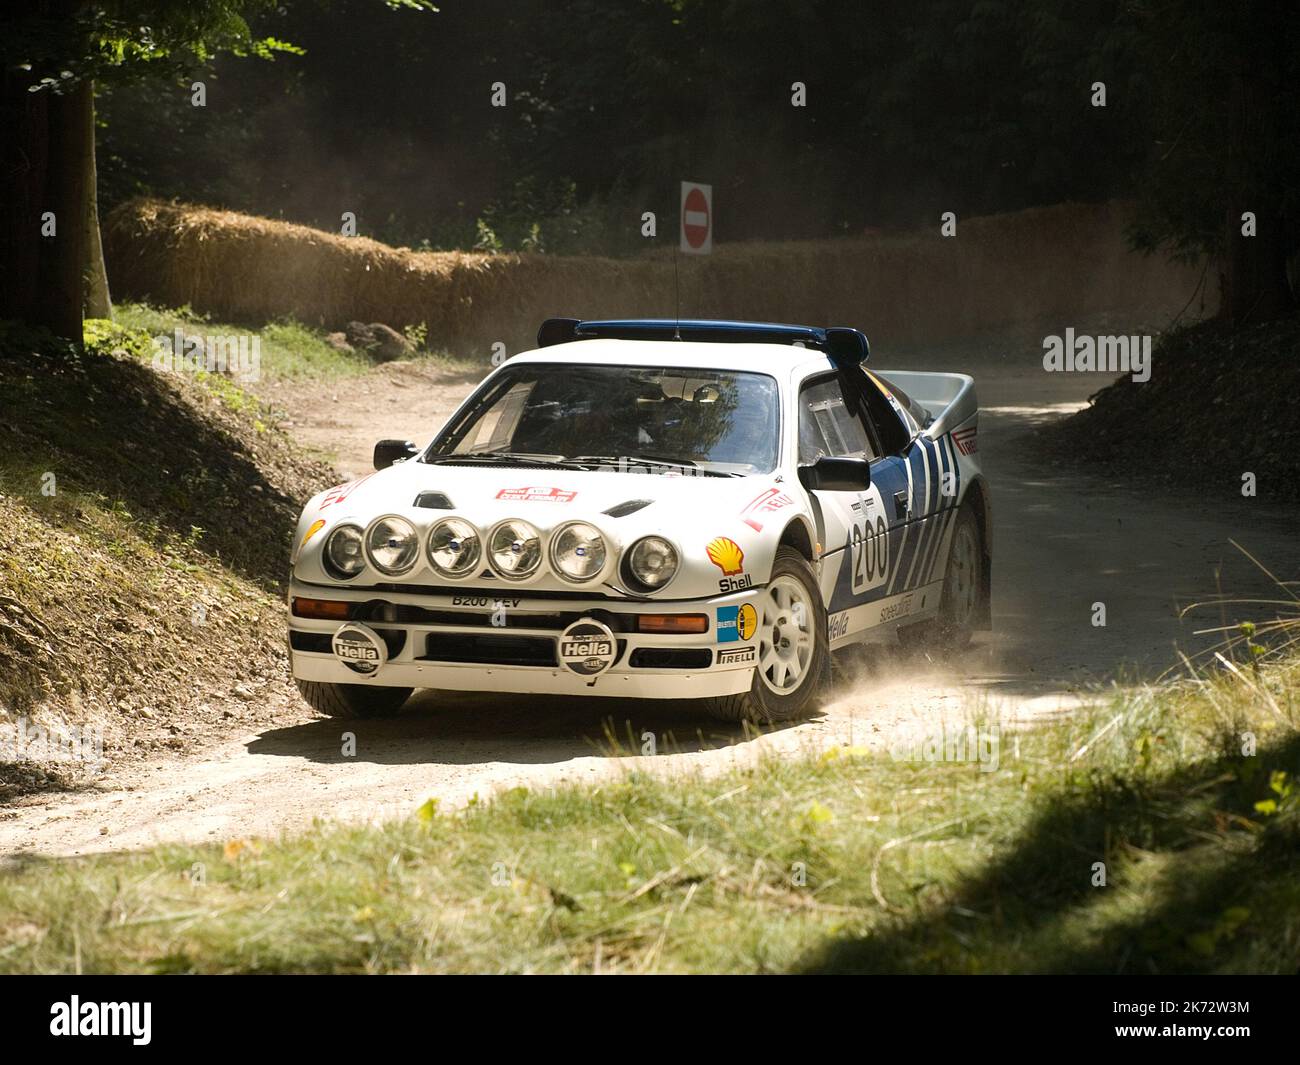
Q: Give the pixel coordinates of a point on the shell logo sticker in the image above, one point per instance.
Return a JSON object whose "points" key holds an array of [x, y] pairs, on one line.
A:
{"points": [[316, 527], [726, 554]]}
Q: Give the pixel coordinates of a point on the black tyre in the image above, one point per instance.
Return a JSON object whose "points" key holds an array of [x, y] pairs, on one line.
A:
{"points": [[792, 648], [353, 700], [963, 585]]}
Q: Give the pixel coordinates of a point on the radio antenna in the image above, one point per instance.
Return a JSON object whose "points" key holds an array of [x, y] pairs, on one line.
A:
{"points": [[677, 300]]}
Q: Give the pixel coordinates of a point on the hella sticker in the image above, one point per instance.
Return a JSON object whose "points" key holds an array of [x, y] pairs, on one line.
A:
{"points": [[587, 648], [837, 626], [360, 649]]}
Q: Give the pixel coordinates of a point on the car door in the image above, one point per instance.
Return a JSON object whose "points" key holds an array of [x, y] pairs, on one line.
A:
{"points": [[921, 475], [858, 530]]}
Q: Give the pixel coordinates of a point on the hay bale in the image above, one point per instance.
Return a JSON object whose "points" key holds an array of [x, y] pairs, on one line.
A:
{"points": [[1053, 263]]}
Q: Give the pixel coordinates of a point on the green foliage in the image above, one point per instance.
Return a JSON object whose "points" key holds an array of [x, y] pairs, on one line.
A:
{"points": [[417, 335], [105, 337], [957, 105], [289, 349], [125, 39], [1224, 121]]}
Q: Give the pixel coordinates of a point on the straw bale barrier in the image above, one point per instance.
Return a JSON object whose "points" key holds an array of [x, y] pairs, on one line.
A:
{"points": [[1059, 263]]}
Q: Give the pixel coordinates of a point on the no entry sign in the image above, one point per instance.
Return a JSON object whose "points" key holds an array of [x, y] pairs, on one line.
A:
{"points": [[697, 218]]}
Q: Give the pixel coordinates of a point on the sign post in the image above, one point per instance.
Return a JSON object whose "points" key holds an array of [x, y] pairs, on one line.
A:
{"points": [[697, 218]]}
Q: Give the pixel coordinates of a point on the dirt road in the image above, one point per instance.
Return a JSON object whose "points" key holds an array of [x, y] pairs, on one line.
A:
{"points": [[1064, 541]]}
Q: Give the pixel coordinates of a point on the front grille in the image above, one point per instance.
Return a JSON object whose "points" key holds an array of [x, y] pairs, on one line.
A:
{"points": [[310, 641], [322, 643], [493, 649], [671, 658], [502, 589], [489, 650], [394, 640], [555, 621]]}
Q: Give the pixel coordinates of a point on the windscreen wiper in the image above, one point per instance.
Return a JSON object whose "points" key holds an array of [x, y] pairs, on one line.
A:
{"points": [[513, 457], [650, 461]]}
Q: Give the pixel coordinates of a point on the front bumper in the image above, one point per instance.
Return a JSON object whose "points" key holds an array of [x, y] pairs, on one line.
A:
{"points": [[505, 641]]}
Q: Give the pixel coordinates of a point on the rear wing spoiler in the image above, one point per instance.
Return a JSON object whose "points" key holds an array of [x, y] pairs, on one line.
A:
{"points": [[843, 346], [949, 397]]}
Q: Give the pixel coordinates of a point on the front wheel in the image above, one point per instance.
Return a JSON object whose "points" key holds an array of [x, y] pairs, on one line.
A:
{"points": [[353, 700], [792, 654]]}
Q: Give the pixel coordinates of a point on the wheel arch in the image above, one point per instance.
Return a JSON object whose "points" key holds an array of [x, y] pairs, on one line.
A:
{"points": [[799, 536]]}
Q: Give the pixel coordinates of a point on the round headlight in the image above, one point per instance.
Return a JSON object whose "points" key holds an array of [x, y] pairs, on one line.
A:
{"points": [[454, 547], [393, 545], [515, 549], [578, 551], [651, 563], [342, 555]]}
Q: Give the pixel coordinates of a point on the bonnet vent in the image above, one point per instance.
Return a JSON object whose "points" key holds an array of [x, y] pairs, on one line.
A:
{"points": [[631, 506]]}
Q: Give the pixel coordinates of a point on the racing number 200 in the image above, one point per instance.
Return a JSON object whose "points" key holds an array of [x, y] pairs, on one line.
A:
{"points": [[869, 553]]}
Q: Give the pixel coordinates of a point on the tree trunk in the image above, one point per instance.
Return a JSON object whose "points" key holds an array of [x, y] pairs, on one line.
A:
{"points": [[23, 166], [1254, 281], [98, 303], [60, 278]]}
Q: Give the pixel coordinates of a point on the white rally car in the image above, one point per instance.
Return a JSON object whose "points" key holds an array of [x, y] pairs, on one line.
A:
{"points": [[651, 509]]}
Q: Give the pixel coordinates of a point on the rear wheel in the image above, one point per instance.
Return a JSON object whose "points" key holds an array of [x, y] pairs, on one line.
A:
{"points": [[791, 649], [353, 700], [963, 584]]}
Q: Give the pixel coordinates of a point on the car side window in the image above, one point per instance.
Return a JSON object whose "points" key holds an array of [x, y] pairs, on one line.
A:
{"points": [[828, 426], [893, 428]]}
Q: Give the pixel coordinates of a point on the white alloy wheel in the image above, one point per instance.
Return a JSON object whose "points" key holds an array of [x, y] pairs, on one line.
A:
{"points": [[786, 637]]}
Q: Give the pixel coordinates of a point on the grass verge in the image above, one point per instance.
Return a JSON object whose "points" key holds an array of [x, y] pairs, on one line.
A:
{"points": [[289, 350], [1155, 832]]}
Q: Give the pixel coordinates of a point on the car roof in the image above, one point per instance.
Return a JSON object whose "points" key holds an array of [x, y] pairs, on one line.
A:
{"points": [[778, 360]]}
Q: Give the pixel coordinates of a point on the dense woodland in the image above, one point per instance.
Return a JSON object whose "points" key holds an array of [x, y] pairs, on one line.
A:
{"points": [[811, 120]]}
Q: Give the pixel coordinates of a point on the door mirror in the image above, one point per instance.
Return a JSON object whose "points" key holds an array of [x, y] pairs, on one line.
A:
{"points": [[389, 451], [847, 347], [832, 474]]}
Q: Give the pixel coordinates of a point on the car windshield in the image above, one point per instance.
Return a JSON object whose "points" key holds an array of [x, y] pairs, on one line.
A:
{"points": [[715, 421]]}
